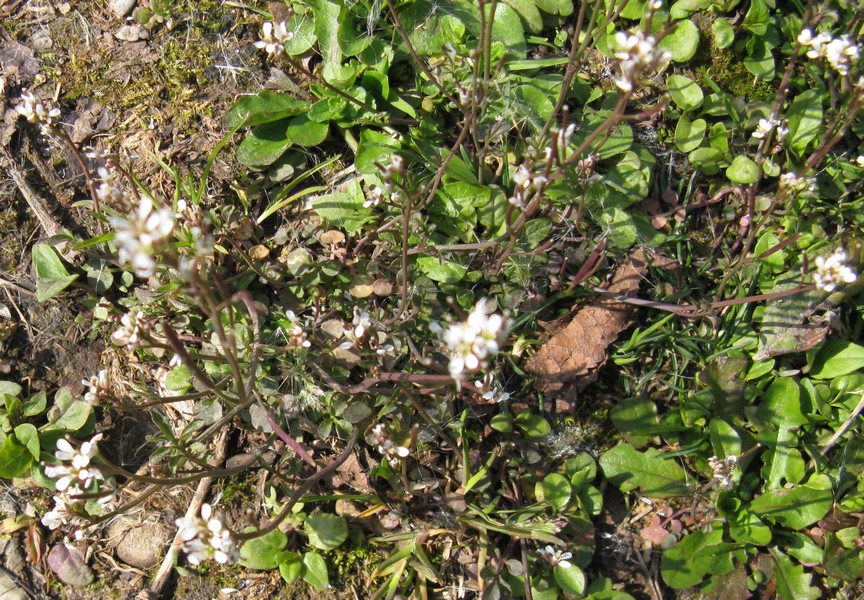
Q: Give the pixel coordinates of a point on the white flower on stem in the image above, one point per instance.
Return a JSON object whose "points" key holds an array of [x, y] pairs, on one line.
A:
{"points": [[78, 468], [555, 557], [832, 271], [62, 513], [387, 447], [638, 55], [472, 343], [273, 38], [723, 470], [295, 333], [841, 53], [206, 537], [110, 190], [526, 183], [860, 160], [139, 236], [491, 391], [32, 109], [129, 333], [764, 127], [376, 196], [791, 182], [98, 387]]}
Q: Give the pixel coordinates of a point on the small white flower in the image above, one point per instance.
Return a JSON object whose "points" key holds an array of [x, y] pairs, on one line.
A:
{"points": [[273, 38], [206, 537], [723, 470], [32, 109], [140, 235], [295, 333], [387, 447], [860, 160], [376, 196], [638, 55], [129, 333], [110, 189], [98, 387], [472, 343], [764, 127], [78, 468], [555, 557], [832, 271], [791, 182]]}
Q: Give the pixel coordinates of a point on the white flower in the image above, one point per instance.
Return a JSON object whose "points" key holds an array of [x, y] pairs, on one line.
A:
{"points": [[832, 271], [79, 468], [472, 343], [723, 470], [32, 109], [376, 196], [294, 332], [638, 55], [206, 537], [140, 235], [764, 127], [839, 52], [860, 160], [110, 190], [387, 447], [98, 387], [491, 391], [130, 332], [273, 38], [791, 182], [556, 558]]}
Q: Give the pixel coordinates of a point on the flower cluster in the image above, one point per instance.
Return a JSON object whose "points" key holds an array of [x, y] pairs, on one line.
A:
{"points": [[839, 52], [472, 343], [273, 38], [396, 166], [110, 190], [766, 126], [206, 537], [32, 109], [97, 387], [375, 197], [140, 235], [560, 148], [295, 334], [492, 392], [130, 331], [723, 470], [790, 182], [555, 557], [638, 55], [78, 470], [832, 271], [526, 184], [387, 447]]}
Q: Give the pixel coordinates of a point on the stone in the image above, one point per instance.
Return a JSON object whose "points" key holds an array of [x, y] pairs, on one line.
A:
{"points": [[120, 8]]}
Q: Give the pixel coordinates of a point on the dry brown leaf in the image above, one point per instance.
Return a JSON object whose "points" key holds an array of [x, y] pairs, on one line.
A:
{"points": [[574, 354]]}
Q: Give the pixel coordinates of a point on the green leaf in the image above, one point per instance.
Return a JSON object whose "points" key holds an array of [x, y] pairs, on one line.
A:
{"points": [[686, 563], [68, 417], [792, 582], [28, 435], [306, 133], [527, 10], [533, 426], [682, 9], [685, 92], [837, 358], [743, 170], [326, 531], [35, 405], [556, 490], [707, 160], [759, 60], [99, 275], [9, 388], [343, 209], [757, 18], [682, 42], [290, 566], [315, 571], [264, 107], [563, 8], [15, 458], [689, 134], [179, 379], [655, 477], [724, 33], [264, 144], [570, 579], [264, 552], [797, 507], [302, 27], [442, 272], [502, 423], [805, 119], [51, 275]]}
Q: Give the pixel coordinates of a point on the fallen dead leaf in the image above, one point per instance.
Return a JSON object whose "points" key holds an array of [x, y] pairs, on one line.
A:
{"points": [[575, 353]]}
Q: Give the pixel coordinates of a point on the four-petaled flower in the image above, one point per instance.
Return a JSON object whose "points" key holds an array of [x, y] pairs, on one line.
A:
{"points": [[206, 537], [139, 235], [78, 468], [555, 557], [273, 38]]}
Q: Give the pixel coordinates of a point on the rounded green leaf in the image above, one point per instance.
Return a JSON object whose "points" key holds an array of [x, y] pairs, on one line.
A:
{"points": [[534, 426], [315, 571], [706, 159], [682, 42], [502, 423], [263, 553], [685, 92], [326, 531], [446, 272], [302, 28], [306, 133], [689, 134], [836, 358], [724, 33], [570, 579], [556, 490], [743, 170], [290, 566], [264, 144]]}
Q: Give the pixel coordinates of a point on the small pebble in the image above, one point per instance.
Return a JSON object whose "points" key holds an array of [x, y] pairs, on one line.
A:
{"points": [[121, 8], [132, 33]]}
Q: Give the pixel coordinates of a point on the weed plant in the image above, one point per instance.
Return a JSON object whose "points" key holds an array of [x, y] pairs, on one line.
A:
{"points": [[353, 320]]}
